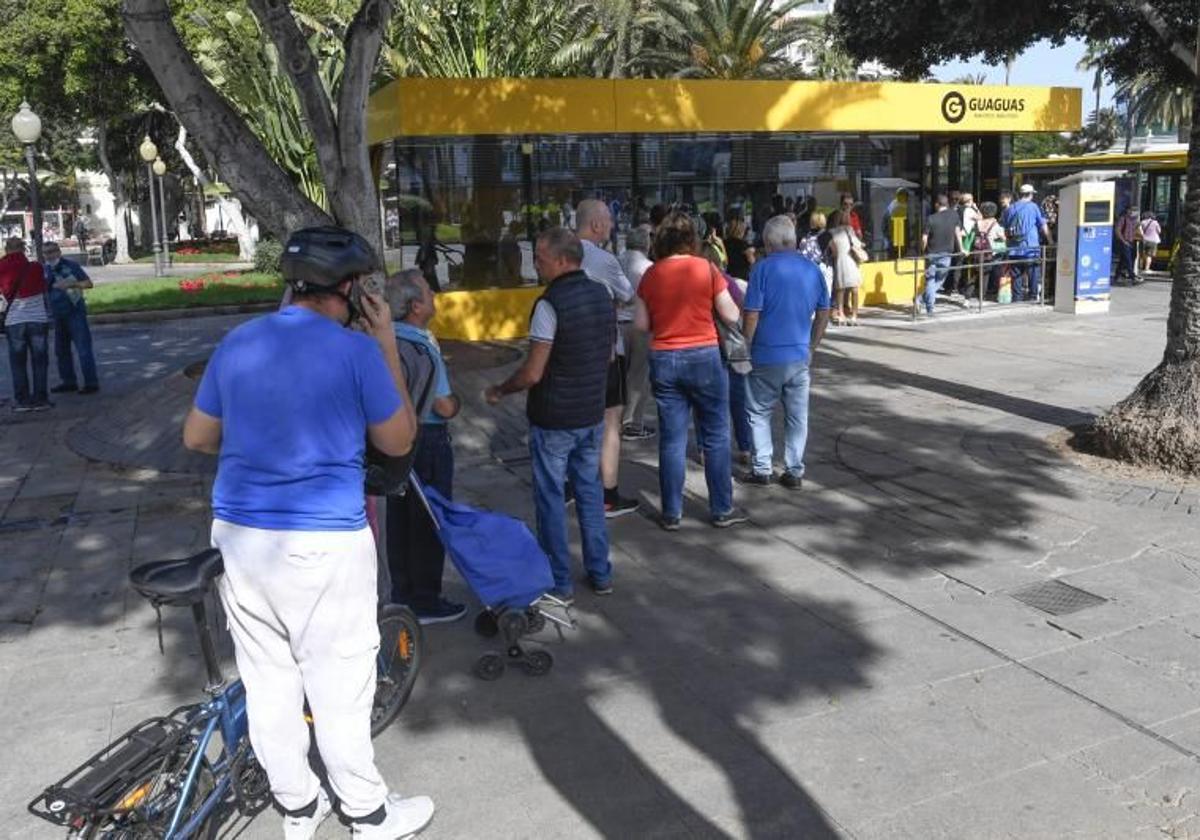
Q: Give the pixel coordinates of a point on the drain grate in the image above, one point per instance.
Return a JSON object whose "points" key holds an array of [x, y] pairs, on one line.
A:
{"points": [[1056, 597]]}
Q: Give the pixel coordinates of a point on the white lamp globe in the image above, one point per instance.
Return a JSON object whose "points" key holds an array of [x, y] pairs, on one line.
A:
{"points": [[148, 150], [159, 167], [27, 125]]}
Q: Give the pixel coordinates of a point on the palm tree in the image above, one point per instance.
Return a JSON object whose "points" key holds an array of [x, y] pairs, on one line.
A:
{"points": [[725, 39], [824, 56], [1151, 101], [490, 38], [1093, 59]]}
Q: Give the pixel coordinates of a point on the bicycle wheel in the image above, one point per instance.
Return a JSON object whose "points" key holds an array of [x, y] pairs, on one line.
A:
{"points": [[144, 810], [399, 661]]}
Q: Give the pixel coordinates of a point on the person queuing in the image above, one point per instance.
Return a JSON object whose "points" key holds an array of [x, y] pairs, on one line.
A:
{"points": [[850, 216], [634, 262], [786, 313], [1025, 226], [593, 223], [847, 277], [299, 587], [941, 240], [23, 287], [675, 304], [67, 280], [738, 248], [571, 334], [1151, 232], [1127, 232], [416, 556]]}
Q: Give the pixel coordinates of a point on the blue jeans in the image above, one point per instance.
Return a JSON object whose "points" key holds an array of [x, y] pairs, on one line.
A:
{"points": [[937, 266], [737, 410], [1126, 267], [1026, 278], [28, 342], [558, 455], [687, 381], [766, 386], [72, 329]]}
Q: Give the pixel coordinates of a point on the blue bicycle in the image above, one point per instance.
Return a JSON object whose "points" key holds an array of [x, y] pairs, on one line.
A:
{"points": [[171, 777]]}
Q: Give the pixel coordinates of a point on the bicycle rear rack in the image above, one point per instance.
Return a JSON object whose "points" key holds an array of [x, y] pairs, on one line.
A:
{"points": [[95, 786]]}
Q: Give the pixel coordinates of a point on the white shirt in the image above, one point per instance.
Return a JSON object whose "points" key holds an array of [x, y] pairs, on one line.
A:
{"points": [[634, 263], [603, 267]]}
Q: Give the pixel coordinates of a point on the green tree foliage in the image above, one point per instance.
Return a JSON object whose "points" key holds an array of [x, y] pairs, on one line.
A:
{"points": [[1101, 131], [243, 64], [726, 39], [490, 38], [1039, 145]]}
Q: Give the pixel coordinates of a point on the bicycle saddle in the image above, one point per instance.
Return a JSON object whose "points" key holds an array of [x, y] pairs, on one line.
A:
{"points": [[178, 583]]}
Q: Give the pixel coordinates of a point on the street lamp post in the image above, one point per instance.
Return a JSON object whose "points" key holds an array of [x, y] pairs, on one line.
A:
{"points": [[160, 169], [149, 153], [27, 126]]}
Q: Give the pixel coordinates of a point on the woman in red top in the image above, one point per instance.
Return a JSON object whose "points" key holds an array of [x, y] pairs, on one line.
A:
{"points": [[675, 303]]}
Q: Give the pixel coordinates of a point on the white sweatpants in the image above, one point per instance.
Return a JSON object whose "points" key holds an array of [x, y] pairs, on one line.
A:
{"points": [[301, 608]]}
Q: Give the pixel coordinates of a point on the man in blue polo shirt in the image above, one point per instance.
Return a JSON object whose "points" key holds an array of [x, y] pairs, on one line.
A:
{"points": [[1024, 225], [288, 402], [786, 312]]}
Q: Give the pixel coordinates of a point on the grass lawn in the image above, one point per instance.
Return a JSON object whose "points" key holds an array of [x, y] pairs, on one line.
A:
{"points": [[194, 258], [211, 289], [449, 234]]}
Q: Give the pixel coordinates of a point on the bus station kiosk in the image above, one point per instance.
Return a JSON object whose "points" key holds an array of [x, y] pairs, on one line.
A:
{"points": [[1085, 242]]}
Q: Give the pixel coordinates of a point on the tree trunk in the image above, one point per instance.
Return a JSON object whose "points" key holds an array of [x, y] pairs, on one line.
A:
{"points": [[237, 154], [1158, 423], [120, 200]]}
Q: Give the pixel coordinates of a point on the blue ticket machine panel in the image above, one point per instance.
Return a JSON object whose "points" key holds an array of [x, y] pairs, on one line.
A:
{"points": [[1093, 258]]}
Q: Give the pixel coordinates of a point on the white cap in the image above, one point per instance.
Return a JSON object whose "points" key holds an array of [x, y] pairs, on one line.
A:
{"points": [[1027, 189]]}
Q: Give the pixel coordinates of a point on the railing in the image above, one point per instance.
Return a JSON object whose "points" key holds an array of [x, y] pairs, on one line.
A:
{"points": [[972, 263]]}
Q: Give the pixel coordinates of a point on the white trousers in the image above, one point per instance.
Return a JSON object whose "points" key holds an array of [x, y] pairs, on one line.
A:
{"points": [[301, 608]]}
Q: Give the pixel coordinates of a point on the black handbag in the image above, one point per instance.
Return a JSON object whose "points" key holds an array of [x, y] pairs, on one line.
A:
{"points": [[735, 352]]}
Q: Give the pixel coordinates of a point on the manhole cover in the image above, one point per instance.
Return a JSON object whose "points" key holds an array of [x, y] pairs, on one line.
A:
{"points": [[1056, 597]]}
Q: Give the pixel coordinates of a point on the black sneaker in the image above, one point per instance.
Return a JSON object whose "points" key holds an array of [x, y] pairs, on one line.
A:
{"points": [[23, 408], [733, 517], [637, 433], [42, 405], [567, 598], [440, 613], [89, 389], [668, 523], [619, 506], [755, 479], [63, 389], [791, 481], [598, 588]]}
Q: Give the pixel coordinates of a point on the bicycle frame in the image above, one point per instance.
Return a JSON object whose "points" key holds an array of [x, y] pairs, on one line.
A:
{"points": [[225, 711]]}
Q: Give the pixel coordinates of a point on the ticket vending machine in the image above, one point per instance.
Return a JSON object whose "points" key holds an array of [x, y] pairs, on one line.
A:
{"points": [[1085, 242]]}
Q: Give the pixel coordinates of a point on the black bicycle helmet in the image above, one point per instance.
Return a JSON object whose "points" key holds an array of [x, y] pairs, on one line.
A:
{"points": [[321, 257]]}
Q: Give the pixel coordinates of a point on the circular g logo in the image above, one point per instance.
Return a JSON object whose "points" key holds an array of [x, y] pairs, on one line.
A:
{"points": [[954, 107]]}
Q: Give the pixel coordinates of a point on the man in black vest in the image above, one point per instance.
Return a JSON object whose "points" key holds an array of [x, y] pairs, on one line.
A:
{"points": [[571, 333]]}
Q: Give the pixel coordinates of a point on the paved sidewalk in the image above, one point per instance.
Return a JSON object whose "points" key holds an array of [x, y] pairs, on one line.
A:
{"points": [[853, 663]]}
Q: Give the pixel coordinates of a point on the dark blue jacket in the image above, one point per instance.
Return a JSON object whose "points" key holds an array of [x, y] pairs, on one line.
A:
{"points": [[571, 392]]}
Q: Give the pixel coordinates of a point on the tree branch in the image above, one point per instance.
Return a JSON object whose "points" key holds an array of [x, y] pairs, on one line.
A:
{"points": [[255, 178], [188, 160], [364, 37], [276, 19], [1163, 29]]}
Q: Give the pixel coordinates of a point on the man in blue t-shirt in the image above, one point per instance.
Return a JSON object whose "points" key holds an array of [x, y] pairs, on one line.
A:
{"points": [[786, 312], [1024, 224], [288, 402]]}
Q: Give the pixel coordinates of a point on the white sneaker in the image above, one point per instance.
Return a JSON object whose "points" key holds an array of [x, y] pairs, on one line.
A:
{"points": [[403, 818], [303, 828]]}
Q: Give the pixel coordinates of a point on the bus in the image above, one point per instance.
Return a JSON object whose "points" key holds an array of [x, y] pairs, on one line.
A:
{"points": [[1152, 180]]}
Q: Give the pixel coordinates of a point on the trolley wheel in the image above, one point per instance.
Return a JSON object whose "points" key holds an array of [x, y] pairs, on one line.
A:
{"points": [[537, 621], [513, 625], [489, 667], [538, 663], [486, 624]]}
